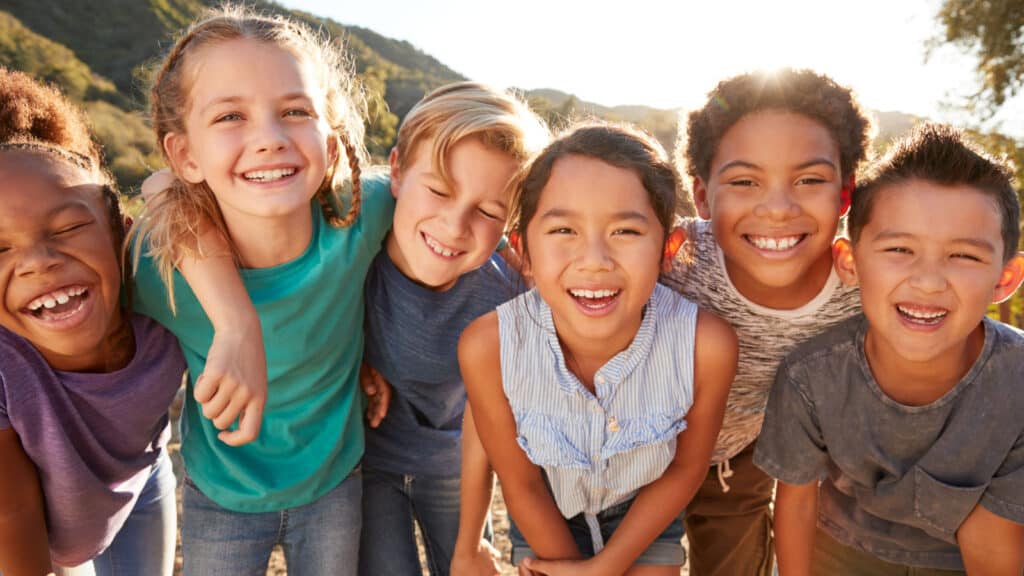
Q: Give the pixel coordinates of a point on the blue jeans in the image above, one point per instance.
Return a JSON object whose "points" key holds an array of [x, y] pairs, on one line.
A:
{"points": [[319, 539], [392, 503], [145, 544]]}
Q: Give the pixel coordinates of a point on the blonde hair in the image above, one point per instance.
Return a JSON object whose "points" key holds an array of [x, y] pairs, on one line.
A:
{"points": [[171, 219], [462, 110]]}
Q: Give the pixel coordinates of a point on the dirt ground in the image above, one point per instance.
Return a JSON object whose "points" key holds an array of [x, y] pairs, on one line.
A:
{"points": [[276, 567]]}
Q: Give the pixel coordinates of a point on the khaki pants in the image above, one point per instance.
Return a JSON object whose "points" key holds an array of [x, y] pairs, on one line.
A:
{"points": [[730, 533], [832, 558]]}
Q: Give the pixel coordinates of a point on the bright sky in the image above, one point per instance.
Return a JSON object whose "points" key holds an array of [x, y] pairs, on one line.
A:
{"points": [[670, 53]]}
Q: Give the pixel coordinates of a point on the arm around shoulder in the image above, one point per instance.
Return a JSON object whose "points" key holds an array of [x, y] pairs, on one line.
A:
{"points": [[24, 546], [990, 544]]}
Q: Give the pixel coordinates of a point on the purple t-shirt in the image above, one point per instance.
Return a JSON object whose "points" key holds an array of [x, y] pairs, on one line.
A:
{"points": [[93, 437]]}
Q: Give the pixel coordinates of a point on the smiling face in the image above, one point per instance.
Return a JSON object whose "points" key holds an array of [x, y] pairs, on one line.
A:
{"points": [[773, 197], [59, 273], [444, 229], [255, 133], [593, 248], [928, 261]]}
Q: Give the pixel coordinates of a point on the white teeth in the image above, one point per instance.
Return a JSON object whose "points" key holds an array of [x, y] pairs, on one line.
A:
{"points": [[438, 248], [580, 293], [770, 243], [51, 300], [268, 175], [921, 314]]}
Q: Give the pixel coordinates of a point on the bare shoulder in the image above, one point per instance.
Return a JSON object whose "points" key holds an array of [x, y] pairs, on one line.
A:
{"points": [[716, 348], [480, 350]]}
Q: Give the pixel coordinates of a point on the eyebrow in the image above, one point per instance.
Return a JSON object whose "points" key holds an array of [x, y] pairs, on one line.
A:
{"points": [[236, 99], [623, 215], [820, 161], [979, 243]]}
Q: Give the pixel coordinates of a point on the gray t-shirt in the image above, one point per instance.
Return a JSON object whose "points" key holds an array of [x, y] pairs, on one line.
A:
{"points": [[93, 437], [899, 480], [765, 335]]}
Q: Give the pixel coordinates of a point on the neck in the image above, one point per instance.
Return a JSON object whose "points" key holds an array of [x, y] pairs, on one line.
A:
{"points": [[585, 356], [921, 383], [788, 297], [268, 242], [114, 353]]}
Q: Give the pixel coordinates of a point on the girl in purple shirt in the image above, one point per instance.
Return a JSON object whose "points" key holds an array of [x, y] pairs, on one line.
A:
{"points": [[84, 384]]}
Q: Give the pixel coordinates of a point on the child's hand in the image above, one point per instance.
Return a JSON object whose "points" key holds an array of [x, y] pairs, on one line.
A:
{"points": [[156, 182], [234, 385], [484, 561], [378, 394]]}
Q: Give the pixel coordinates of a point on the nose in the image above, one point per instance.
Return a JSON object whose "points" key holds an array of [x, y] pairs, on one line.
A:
{"points": [[928, 277], [39, 259], [270, 136], [456, 221], [594, 254], [777, 203]]}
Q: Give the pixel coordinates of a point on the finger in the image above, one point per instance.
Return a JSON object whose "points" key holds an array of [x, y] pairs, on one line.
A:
{"points": [[383, 395], [207, 384], [230, 413], [367, 382], [220, 400], [249, 424]]}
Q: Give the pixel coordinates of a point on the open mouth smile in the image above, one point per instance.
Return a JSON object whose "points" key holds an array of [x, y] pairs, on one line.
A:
{"points": [[923, 316], [595, 302], [269, 175], [775, 243], [438, 248], [59, 308]]}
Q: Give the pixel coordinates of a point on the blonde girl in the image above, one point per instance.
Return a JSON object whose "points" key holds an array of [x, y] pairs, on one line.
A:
{"points": [[262, 124]]}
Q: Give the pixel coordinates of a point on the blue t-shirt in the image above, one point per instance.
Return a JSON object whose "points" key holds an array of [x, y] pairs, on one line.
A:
{"points": [[412, 333], [311, 310]]}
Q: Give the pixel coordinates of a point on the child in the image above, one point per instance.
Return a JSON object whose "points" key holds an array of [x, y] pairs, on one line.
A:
{"points": [[456, 151], [598, 383], [772, 158], [261, 124], [85, 384], [910, 412]]}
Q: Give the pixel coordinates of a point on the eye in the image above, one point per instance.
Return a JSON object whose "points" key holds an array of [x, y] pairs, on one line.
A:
{"points": [[298, 113], [966, 256], [560, 230], [229, 117], [71, 228], [898, 250], [438, 193], [742, 182], [627, 232], [811, 180], [489, 215]]}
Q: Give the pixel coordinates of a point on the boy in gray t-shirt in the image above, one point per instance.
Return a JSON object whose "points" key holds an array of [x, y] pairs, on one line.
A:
{"points": [[910, 413]]}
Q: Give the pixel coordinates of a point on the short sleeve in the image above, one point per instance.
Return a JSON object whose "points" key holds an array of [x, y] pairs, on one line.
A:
{"points": [[791, 447], [1005, 493], [377, 208]]}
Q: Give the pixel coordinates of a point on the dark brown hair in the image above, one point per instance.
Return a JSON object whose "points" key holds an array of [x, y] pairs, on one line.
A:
{"points": [[38, 119], [619, 145], [803, 92], [939, 153]]}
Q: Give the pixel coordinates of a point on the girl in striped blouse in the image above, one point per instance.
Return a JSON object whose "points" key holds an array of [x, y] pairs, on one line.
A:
{"points": [[598, 394]]}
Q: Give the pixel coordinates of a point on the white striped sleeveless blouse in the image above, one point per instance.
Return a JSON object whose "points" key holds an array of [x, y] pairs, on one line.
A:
{"points": [[599, 451]]}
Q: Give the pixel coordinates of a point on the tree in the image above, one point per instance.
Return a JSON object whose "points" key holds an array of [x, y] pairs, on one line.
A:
{"points": [[993, 31]]}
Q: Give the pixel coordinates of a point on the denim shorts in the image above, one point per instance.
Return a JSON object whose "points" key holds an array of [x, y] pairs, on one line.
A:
{"points": [[666, 550]]}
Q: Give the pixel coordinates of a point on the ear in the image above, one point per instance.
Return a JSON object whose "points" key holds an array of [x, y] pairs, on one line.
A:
{"points": [[395, 173], [515, 240], [700, 198], [846, 196], [1010, 278], [673, 242], [842, 260], [177, 150]]}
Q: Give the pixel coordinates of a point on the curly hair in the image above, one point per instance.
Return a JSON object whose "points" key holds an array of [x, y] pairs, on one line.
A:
{"points": [[172, 218], [803, 92], [39, 119], [940, 154]]}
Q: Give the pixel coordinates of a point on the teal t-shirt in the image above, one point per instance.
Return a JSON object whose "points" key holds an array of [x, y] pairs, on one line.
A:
{"points": [[311, 312]]}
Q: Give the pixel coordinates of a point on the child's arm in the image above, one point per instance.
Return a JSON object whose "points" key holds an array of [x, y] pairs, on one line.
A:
{"points": [[990, 544], [24, 547], [233, 384], [378, 394], [527, 496], [796, 516], [473, 554], [660, 502]]}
